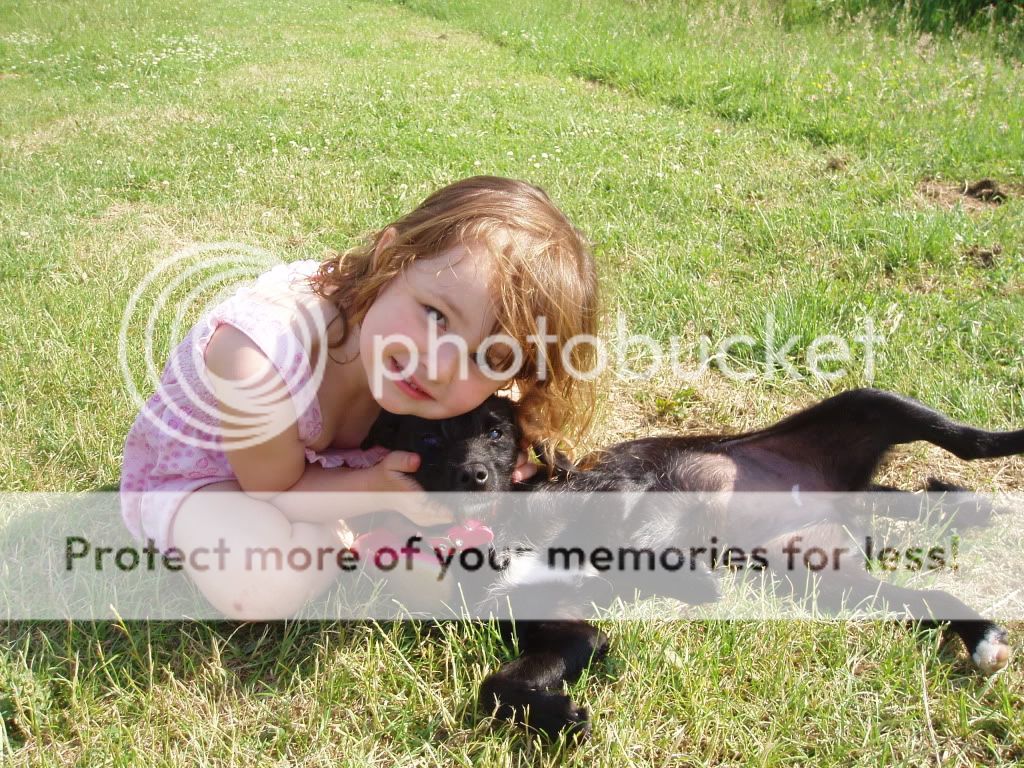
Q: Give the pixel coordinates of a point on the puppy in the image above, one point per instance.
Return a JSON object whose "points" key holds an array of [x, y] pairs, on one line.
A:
{"points": [[834, 446], [473, 452]]}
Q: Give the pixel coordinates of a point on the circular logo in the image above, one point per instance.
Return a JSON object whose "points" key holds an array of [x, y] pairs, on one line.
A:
{"points": [[186, 287]]}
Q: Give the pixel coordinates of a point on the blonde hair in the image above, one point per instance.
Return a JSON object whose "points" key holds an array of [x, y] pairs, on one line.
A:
{"points": [[543, 268]]}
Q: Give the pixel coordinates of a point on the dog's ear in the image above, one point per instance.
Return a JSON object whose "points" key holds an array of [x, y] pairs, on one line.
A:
{"points": [[383, 432]]}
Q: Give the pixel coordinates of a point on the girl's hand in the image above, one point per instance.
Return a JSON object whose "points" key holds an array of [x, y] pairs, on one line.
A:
{"points": [[391, 475], [525, 469]]}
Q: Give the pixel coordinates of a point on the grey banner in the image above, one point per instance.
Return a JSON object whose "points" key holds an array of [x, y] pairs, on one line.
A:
{"points": [[529, 555]]}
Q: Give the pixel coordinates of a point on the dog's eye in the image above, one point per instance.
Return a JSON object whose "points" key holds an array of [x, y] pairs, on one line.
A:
{"points": [[494, 434], [430, 440]]}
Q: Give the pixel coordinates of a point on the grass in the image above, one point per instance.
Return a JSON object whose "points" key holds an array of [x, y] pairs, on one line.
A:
{"points": [[739, 166]]}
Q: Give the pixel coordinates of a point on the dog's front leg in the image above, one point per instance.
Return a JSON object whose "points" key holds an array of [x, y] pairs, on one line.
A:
{"points": [[528, 689]]}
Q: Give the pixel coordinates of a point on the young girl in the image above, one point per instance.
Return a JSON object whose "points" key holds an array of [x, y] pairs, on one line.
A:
{"points": [[276, 388]]}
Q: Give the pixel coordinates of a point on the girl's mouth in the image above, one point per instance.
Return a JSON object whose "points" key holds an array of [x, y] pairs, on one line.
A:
{"points": [[408, 385]]}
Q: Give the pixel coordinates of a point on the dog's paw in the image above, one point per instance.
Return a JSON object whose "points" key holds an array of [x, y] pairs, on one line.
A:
{"points": [[577, 727], [554, 714], [963, 506], [992, 652]]}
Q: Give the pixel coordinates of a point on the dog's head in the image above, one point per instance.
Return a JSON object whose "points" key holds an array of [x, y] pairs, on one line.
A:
{"points": [[473, 452]]}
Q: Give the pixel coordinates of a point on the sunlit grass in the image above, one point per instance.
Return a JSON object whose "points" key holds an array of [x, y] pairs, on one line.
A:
{"points": [[738, 171]]}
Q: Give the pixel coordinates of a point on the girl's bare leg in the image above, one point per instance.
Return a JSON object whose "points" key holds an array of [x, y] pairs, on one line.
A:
{"points": [[235, 579]]}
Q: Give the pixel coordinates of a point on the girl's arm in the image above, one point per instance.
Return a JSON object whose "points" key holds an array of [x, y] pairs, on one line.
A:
{"points": [[237, 369], [275, 469], [316, 498]]}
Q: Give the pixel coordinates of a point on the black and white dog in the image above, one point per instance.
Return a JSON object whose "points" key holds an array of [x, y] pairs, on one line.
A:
{"points": [[834, 446]]}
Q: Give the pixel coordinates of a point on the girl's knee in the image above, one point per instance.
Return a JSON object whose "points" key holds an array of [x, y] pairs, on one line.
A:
{"points": [[261, 600], [243, 573]]}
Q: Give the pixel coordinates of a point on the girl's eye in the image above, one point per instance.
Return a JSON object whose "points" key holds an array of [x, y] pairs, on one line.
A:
{"points": [[494, 434], [436, 315]]}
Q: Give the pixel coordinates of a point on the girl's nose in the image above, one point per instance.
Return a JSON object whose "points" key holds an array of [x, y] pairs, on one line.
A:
{"points": [[449, 359]]}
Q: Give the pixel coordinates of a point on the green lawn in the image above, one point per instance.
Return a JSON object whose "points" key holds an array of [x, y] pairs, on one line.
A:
{"points": [[743, 167]]}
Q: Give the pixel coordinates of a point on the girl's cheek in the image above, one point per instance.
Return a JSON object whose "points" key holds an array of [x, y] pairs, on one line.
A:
{"points": [[483, 386]]}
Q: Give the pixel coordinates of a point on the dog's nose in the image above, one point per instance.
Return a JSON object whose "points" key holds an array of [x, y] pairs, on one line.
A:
{"points": [[472, 477]]}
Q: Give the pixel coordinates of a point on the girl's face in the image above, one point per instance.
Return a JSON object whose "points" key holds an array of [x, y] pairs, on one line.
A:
{"points": [[419, 339]]}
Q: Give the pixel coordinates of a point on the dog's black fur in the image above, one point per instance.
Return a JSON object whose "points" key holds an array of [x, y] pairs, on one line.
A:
{"points": [[836, 445]]}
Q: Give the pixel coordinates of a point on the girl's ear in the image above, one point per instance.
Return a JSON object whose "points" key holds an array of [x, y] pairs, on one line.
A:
{"points": [[385, 241]]}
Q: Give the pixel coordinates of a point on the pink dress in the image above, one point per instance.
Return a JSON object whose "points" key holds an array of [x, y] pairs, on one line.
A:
{"points": [[173, 447]]}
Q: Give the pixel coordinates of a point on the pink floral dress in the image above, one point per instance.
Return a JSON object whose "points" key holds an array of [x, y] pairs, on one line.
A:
{"points": [[173, 447]]}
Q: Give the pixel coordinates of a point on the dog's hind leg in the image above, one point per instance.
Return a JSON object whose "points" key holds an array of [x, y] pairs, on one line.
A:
{"points": [[853, 588], [528, 689], [986, 642], [844, 437], [955, 504]]}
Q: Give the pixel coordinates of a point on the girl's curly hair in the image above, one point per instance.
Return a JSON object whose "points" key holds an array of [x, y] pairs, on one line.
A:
{"points": [[545, 283]]}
